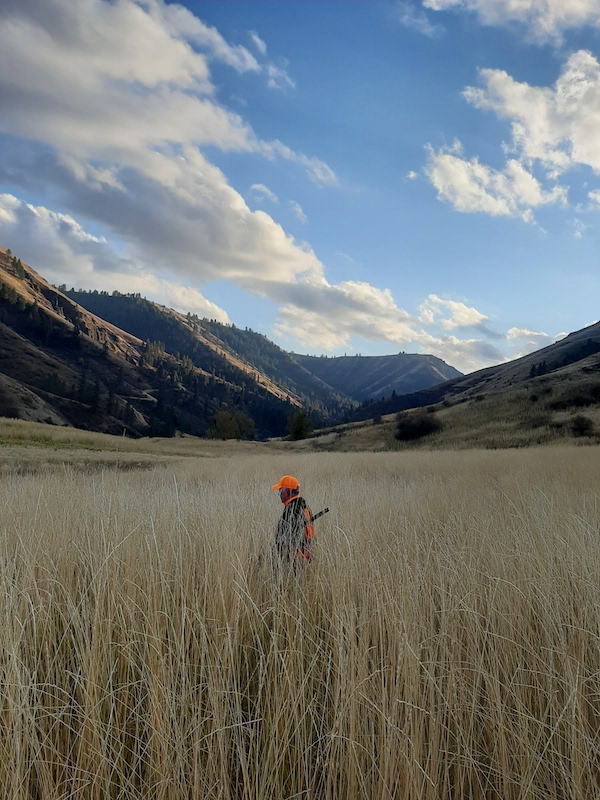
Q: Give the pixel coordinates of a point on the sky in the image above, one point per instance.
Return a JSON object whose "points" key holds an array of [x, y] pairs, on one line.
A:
{"points": [[343, 176]]}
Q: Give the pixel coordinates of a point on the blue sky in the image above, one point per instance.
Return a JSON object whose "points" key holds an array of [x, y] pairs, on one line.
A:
{"points": [[344, 176]]}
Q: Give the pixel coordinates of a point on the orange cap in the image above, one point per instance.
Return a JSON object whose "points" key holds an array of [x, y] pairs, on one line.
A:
{"points": [[287, 482]]}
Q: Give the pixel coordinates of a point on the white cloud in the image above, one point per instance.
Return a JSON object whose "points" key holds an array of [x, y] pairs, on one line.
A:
{"points": [[411, 176], [129, 159], [450, 313], [552, 131], [326, 318], [318, 171], [312, 312], [544, 19], [116, 103], [528, 341], [63, 252], [278, 78], [70, 77], [258, 43], [579, 228], [410, 16], [524, 333], [297, 211], [472, 187], [264, 191], [560, 126]]}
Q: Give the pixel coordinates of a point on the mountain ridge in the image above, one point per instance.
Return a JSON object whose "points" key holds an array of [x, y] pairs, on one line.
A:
{"points": [[370, 377], [574, 348], [145, 369]]}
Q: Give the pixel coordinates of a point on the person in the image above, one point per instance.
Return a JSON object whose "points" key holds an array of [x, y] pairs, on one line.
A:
{"points": [[295, 531]]}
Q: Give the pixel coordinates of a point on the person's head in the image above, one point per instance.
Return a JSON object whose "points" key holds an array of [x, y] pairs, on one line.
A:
{"points": [[287, 487]]}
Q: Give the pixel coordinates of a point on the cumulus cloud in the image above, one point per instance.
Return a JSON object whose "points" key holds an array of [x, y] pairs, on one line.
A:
{"points": [[559, 126], [543, 19], [553, 130], [109, 109], [524, 333], [312, 312], [450, 313], [70, 77], [328, 317], [130, 159], [72, 256], [579, 228], [472, 187]]}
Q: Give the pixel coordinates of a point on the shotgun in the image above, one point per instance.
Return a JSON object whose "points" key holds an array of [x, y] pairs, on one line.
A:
{"points": [[316, 516]]}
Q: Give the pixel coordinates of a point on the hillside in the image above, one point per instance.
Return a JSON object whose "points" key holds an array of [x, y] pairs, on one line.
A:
{"points": [[547, 397], [124, 365], [372, 377], [224, 351], [571, 350], [59, 363]]}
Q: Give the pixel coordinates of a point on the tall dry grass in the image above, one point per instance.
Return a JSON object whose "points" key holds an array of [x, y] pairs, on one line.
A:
{"points": [[444, 643]]}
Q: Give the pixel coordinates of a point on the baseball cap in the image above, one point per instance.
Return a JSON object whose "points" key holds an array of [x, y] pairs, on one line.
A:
{"points": [[287, 482]]}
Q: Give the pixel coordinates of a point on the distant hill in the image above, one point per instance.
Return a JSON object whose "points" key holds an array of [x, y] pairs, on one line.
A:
{"points": [[566, 356], [61, 364], [371, 377], [121, 363], [549, 397], [233, 354]]}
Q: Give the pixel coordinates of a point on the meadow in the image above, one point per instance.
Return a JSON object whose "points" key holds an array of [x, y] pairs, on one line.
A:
{"points": [[443, 644]]}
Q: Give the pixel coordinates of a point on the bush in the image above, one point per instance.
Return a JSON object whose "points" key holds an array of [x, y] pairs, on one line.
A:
{"points": [[411, 426], [582, 426], [232, 425]]}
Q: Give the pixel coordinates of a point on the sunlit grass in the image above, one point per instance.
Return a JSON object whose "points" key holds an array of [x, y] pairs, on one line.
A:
{"points": [[444, 643]]}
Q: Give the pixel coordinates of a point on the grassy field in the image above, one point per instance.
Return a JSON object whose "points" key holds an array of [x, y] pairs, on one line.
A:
{"points": [[526, 416], [444, 643]]}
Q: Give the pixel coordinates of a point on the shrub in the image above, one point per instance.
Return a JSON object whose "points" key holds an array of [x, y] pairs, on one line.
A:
{"points": [[411, 426], [582, 426]]}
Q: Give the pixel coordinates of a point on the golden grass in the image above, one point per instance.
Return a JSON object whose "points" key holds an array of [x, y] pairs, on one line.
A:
{"points": [[519, 417], [444, 643]]}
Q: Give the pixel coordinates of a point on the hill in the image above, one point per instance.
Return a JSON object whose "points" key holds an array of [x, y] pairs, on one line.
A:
{"points": [[230, 353], [372, 377], [546, 397], [573, 349], [61, 364]]}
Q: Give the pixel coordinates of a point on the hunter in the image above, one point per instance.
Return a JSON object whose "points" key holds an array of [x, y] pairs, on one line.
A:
{"points": [[295, 529]]}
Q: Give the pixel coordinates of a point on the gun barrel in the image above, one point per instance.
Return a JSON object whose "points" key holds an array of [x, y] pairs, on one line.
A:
{"points": [[320, 514]]}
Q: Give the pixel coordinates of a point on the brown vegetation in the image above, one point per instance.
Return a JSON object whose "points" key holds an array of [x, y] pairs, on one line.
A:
{"points": [[444, 644]]}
